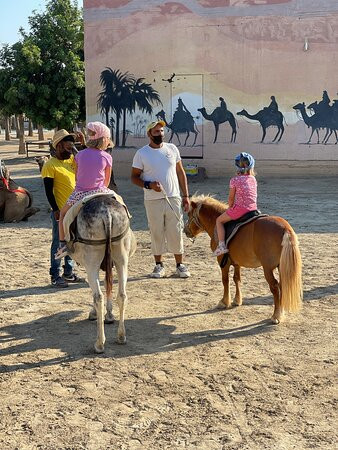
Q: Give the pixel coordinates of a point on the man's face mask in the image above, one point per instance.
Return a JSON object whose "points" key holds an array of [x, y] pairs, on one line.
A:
{"points": [[65, 155], [157, 139]]}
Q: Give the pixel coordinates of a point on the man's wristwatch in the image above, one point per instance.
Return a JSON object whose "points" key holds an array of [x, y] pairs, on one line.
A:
{"points": [[146, 184]]}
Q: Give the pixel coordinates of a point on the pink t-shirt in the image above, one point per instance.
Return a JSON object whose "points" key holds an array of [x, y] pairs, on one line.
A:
{"points": [[91, 166], [246, 191]]}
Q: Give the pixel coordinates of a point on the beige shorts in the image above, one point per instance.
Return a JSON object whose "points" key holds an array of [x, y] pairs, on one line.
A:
{"points": [[165, 229]]}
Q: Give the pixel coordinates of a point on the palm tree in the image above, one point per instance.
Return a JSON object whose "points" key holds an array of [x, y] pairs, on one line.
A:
{"points": [[115, 86], [138, 94]]}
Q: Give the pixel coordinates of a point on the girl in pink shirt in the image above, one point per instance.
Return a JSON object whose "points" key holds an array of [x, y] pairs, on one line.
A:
{"points": [[93, 171], [242, 197]]}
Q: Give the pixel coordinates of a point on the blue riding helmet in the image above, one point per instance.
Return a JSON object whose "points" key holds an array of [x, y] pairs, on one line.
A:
{"points": [[250, 161]]}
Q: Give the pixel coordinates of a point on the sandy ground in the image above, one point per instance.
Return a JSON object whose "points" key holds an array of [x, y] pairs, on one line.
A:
{"points": [[190, 376]]}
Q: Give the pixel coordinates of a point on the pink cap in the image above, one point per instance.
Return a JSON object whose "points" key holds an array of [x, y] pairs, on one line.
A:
{"points": [[100, 130]]}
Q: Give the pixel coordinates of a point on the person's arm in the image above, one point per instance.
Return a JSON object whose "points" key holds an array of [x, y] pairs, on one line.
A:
{"points": [[107, 175], [136, 179], [231, 198], [182, 179], [48, 184]]}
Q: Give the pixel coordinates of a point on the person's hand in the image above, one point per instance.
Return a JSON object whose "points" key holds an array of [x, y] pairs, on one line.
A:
{"points": [[56, 215], [79, 137], [186, 203], [156, 186]]}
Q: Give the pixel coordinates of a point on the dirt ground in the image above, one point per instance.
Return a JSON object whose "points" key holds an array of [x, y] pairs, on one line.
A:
{"points": [[190, 376]]}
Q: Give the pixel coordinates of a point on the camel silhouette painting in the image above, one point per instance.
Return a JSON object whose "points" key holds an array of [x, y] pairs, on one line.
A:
{"points": [[268, 117], [325, 116], [314, 122], [221, 115], [183, 122]]}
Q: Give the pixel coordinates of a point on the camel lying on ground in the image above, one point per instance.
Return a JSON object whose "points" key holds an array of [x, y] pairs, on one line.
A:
{"points": [[15, 201]]}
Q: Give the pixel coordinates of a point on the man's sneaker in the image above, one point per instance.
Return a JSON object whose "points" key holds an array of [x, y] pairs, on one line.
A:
{"points": [[59, 283], [158, 271], [73, 278], [182, 271]]}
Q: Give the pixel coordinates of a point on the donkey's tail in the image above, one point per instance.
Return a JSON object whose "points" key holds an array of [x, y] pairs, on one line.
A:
{"points": [[108, 266], [290, 273]]}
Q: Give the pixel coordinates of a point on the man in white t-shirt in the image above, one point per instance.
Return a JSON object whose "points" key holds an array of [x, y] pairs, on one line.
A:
{"points": [[157, 168]]}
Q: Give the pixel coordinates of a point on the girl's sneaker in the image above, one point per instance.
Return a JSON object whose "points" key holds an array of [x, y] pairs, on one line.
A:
{"points": [[220, 249], [62, 252]]}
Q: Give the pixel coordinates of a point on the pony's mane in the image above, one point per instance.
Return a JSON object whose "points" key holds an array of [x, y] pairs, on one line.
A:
{"points": [[208, 200]]}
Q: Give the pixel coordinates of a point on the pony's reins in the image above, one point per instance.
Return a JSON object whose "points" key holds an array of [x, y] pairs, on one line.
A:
{"points": [[180, 219]]}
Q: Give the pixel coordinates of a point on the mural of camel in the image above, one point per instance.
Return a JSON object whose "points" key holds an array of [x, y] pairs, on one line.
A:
{"points": [[218, 116], [188, 127], [15, 201], [314, 122], [266, 120], [328, 120]]}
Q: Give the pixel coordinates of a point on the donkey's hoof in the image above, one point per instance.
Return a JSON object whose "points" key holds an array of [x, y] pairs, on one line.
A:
{"points": [[99, 348], [121, 340], [109, 318], [92, 315]]}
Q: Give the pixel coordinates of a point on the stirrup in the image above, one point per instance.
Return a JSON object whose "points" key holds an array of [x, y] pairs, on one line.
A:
{"points": [[61, 253]]}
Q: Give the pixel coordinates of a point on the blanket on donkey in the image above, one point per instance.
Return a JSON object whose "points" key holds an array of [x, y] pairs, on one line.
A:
{"points": [[75, 209], [233, 226]]}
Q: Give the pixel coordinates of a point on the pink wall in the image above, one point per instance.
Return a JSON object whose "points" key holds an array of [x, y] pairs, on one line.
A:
{"points": [[244, 51]]}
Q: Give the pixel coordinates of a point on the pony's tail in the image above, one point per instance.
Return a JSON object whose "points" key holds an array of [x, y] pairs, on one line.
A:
{"points": [[107, 257], [290, 273]]}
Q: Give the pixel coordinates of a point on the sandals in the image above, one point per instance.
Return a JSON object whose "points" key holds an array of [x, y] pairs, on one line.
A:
{"points": [[61, 253]]}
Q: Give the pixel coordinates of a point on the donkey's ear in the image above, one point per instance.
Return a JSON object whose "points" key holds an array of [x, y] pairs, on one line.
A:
{"points": [[193, 205]]}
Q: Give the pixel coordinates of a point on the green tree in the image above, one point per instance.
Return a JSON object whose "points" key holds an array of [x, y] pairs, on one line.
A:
{"points": [[57, 85], [16, 62]]}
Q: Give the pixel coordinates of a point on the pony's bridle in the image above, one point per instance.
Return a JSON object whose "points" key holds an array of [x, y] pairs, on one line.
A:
{"points": [[193, 219]]}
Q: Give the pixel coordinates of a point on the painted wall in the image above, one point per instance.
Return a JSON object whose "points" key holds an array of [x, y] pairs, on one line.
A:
{"points": [[228, 57]]}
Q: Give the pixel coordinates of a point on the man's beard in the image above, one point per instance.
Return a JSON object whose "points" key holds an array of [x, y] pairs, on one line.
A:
{"points": [[157, 139]]}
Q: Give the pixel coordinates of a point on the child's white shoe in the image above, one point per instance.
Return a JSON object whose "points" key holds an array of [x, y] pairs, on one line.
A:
{"points": [[220, 249]]}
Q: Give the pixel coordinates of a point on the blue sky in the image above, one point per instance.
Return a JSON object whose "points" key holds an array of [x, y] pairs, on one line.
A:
{"points": [[14, 14]]}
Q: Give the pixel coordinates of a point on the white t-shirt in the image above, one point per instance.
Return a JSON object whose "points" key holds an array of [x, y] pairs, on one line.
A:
{"points": [[159, 164]]}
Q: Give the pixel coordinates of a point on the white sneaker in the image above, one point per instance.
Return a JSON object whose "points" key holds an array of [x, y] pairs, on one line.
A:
{"points": [[220, 250], [158, 271], [182, 271]]}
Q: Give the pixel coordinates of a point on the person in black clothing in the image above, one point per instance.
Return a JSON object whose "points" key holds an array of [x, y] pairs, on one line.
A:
{"points": [[58, 175]]}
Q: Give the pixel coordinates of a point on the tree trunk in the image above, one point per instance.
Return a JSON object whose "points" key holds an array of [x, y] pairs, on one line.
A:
{"points": [[7, 129], [30, 128], [117, 133], [12, 124], [124, 128], [40, 135], [17, 126], [107, 116], [21, 123]]}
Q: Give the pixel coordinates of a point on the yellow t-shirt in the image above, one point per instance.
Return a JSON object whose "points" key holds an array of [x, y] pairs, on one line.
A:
{"points": [[63, 173]]}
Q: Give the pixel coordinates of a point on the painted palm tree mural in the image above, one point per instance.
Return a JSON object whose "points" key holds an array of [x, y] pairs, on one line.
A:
{"points": [[122, 94]]}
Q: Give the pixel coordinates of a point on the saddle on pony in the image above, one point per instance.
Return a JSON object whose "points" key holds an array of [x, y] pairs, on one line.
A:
{"points": [[233, 226]]}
